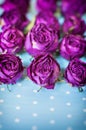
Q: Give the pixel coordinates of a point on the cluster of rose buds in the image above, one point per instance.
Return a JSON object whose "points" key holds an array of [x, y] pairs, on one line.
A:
{"points": [[73, 43], [73, 7], [12, 39], [42, 41]]}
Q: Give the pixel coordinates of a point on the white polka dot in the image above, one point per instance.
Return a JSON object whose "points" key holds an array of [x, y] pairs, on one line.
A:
{"points": [[52, 97], [67, 92], [34, 91], [0, 126], [34, 127], [1, 100], [2, 89], [84, 99], [52, 109], [68, 104], [35, 114], [69, 128], [69, 116], [17, 120], [84, 122], [1, 113], [19, 84], [18, 96], [84, 110], [35, 102], [18, 107], [52, 121]]}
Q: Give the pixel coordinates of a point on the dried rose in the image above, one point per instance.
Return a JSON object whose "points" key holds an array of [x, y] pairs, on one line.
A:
{"points": [[11, 40], [15, 18], [44, 70], [74, 25], [47, 18], [23, 5], [10, 68], [72, 46], [41, 39], [75, 73], [76, 7]]}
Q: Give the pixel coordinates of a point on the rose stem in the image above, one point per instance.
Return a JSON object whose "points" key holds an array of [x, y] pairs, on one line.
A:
{"points": [[39, 89], [8, 88], [80, 89]]}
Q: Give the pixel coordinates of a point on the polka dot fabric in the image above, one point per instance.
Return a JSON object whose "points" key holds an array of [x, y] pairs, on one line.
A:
{"points": [[24, 108]]}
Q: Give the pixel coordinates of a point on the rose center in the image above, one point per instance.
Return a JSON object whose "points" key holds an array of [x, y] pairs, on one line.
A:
{"points": [[11, 36], [77, 70]]}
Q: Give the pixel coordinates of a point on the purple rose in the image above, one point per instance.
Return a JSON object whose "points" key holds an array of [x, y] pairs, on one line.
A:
{"points": [[21, 4], [10, 68], [72, 46], [15, 18], [75, 73], [44, 70], [11, 40], [49, 19], [41, 39], [7, 6], [74, 25], [47, 5], [73, 7]]}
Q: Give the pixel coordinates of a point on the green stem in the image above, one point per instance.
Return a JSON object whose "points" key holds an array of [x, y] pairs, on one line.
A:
{"points": [[8, 88], [39, 89], [80, 89]]}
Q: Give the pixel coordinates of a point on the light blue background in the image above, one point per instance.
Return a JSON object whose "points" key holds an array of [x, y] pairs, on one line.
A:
{"points": [[63, 108]]}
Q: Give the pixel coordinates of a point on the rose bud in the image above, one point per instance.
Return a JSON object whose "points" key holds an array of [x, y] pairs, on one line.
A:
{"points": [[74, 25], [41, 39], [11, 40], [21, 4], [44, 70], [10, 68], [72, 46], [49, 19], [7, 6], [15, 18], [76, 7], [75, 73], [47, 5]]}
